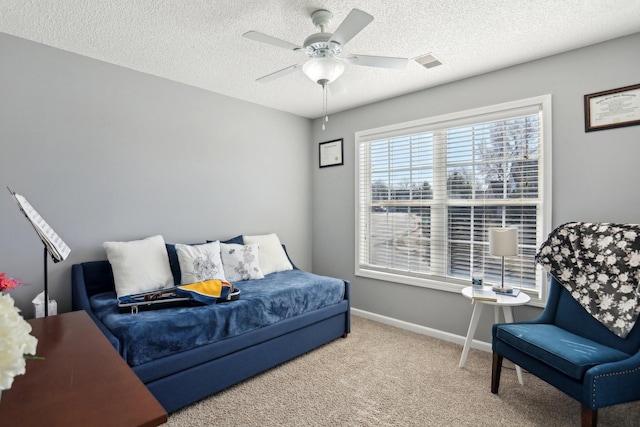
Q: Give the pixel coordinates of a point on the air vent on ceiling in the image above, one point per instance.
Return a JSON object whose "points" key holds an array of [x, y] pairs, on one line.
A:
{"points": [[428, 60]]}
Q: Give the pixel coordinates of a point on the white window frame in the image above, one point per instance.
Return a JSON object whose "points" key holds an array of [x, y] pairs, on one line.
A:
{"points": [[543, 103]]}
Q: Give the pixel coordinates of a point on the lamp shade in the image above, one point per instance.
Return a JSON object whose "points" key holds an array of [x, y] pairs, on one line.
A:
{"points": [[323, 70], [503, 241]]}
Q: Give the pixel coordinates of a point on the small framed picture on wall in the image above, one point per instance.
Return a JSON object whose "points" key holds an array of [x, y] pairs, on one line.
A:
{"points": [[331, 153]]}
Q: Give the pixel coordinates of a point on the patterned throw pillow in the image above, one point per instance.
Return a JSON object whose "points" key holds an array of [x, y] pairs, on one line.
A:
{"points": [[200, 262], [240, 262]]}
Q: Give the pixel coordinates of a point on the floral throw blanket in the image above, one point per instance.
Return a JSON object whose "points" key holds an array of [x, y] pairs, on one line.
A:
{"points": [[599, 263]]}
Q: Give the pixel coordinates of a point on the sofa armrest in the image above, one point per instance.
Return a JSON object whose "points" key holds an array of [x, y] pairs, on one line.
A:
{"points": [[347, 297], [79, 297], [612, 383], [80, 301]]}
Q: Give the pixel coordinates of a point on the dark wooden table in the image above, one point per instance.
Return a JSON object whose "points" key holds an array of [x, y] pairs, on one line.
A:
{"points": [[83, 381]]}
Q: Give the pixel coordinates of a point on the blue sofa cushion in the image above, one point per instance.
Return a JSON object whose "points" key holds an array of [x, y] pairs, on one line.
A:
{"points": [[569, 353], [151, 335]]}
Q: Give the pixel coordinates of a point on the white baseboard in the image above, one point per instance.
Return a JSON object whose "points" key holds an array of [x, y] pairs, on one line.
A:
{"points": [[435, 333]]}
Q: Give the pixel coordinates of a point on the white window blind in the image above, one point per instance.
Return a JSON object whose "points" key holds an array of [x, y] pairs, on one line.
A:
{"points": [[429, 191]]}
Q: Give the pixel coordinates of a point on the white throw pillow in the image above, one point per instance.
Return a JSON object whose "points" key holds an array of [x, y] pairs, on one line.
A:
{"points": [[273, 258], [200, 262], [139, 265], [240, 262]]}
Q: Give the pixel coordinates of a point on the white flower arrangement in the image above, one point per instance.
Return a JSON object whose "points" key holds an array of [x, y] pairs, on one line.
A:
{"points": [[15, 342]]}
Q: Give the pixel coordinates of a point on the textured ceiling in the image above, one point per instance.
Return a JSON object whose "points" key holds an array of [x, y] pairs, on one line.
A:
{"points": [[200, 43]]}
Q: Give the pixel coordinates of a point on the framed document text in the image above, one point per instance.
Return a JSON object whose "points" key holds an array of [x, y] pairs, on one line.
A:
{"points": [[612, 108], [331, 153]]}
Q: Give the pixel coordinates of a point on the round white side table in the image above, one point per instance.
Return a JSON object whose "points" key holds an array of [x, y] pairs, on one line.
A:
{"points": [[506, 302]]}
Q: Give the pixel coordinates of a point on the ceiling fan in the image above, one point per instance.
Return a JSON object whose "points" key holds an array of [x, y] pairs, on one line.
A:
{"points": [[325, 50]]}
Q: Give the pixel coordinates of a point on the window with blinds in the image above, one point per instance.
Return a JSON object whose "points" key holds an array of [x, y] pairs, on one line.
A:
{"points": [[429, 191]]}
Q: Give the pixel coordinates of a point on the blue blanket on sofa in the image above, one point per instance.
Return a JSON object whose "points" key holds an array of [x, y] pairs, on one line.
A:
{"points": [[150, 335]]}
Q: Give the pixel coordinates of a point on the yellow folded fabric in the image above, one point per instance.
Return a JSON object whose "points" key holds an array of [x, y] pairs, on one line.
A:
{"points": [[207, 291], [212, 288]]}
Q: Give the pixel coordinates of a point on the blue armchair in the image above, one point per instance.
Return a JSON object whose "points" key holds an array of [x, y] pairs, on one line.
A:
{"points": [[574, 352]]}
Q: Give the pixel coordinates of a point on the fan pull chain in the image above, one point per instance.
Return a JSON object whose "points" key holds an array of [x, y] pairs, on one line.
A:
{"points": [[324, 106]]}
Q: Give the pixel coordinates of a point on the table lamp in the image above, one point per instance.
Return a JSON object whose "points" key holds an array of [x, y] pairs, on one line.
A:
{"points": [[503, 242]]}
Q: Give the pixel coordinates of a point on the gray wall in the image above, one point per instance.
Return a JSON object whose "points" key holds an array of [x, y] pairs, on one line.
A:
{"points": [[595, 175], [107, 153]]}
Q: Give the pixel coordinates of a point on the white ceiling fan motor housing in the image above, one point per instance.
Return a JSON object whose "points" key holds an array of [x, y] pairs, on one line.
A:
{"points": [[318, 46]]}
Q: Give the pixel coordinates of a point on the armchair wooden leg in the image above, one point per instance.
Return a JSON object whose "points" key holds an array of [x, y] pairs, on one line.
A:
{"points": [[589, 417], [496, 369]]}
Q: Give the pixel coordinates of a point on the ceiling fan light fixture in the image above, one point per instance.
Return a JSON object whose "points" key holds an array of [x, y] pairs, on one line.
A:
{"points": [[323, 70]]}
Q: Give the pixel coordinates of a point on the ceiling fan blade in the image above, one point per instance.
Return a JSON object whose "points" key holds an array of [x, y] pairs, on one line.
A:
{"points": [[378, 61], [260, 37], [355, 22], [337, 87], [281, 73]]}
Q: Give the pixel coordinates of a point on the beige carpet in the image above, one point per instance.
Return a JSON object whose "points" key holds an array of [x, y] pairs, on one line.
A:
{"points": [[384, 376]]}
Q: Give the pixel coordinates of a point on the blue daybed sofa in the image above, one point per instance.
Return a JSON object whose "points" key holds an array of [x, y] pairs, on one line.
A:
{"points": [[184, 354]]}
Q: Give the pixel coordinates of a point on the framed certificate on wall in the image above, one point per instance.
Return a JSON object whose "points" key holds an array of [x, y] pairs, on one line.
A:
{"points": [[331, 153], [612, 108]]}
